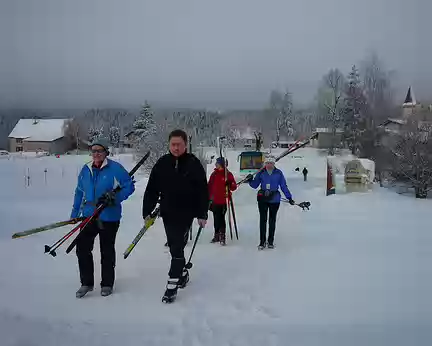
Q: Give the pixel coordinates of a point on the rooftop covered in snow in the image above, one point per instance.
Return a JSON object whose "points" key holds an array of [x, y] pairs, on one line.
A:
{"points": [[39, 130]]}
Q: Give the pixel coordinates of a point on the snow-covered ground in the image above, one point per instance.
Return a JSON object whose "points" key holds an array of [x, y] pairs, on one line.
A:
{"points": [[354, 270]]}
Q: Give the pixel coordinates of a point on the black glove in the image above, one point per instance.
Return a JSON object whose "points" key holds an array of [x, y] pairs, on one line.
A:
{"points": [[107, 199], [290, 201], [248, 178]]}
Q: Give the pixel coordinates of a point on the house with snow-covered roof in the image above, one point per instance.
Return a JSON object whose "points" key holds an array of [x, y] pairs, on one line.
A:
{"points": [[34, 135]]}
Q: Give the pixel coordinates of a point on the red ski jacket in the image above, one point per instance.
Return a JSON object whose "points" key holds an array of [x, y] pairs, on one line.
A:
{"points": [[217, 187]]}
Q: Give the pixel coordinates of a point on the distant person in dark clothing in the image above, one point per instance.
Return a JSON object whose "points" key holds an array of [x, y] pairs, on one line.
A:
{"points": [[305, 173], [179, 180]]}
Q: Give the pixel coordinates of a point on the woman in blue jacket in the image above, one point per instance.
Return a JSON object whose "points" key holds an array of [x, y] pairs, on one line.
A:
{"points": [[96, 182], [270, 179]]}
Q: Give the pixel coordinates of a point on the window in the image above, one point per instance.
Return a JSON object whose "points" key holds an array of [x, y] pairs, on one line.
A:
{"points": [[19, 140], [18, 149]]}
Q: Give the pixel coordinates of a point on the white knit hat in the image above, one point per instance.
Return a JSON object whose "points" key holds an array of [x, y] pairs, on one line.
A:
{"points": [[270, 159]]}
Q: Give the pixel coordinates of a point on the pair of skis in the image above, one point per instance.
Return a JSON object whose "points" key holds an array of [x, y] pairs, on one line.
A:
{"points": [[147, 224], [80, 227], [46, 228]]}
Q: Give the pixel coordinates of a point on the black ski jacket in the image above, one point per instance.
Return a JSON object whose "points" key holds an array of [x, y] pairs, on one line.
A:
{"points": [[181, 185]]}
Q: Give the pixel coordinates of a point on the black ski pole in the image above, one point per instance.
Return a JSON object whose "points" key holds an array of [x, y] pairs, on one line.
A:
{"points": [[234, 216], [189, 264], [51, 249]]}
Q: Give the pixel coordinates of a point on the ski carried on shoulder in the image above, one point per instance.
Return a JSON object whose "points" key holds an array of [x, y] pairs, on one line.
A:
{"points": [[102, 206], [80, 227], [46, 227], [148, 223], [297, 145]]}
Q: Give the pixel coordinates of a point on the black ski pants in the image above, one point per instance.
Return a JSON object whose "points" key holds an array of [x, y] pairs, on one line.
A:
{"points": [[177, 232], [219, 211], [85, 242], [267, 209]]}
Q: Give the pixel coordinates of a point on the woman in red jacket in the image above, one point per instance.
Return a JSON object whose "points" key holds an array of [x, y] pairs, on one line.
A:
{"points": [[218, 195]]}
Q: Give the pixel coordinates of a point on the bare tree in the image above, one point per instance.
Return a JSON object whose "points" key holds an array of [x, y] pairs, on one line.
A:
{"points": [[76, 134], [258, 140], [413, 159], [335, 83], [281, 109], [376, 81], [377, 89]]}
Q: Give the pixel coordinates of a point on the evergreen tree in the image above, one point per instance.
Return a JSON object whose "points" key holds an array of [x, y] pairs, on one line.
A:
{"points": [[114, 135], [95, 133], [144, 125], [352, 115], [149, 136]]}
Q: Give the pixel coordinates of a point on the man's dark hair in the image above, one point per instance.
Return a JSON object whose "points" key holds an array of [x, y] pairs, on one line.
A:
{"points": [[178, 133]]}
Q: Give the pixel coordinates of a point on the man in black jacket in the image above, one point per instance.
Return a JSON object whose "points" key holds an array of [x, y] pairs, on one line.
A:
{"points": [[179, 180]]}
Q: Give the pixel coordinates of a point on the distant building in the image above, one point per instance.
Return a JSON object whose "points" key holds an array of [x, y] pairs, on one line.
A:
{"points": [[247, 139], [129, 139], [34, 135], [410, 105], [412, 112], [325, 138]]}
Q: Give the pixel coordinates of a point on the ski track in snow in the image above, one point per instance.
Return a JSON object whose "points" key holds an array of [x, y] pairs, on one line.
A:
{"points": [[354, 270]]}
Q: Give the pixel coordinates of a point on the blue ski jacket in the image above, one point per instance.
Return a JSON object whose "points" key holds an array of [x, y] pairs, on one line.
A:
{"points": [[94, 182], [272, 182]]}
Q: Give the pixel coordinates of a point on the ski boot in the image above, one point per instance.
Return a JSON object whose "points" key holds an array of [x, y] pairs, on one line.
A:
{"points": [[261, 246], [106, 291], [222, 238], [83, 290], [184, 279], [270, 246], [216, 238], [171, 291]]}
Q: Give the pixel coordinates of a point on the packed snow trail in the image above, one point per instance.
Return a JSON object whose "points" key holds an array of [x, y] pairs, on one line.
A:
{"points": [[353, 270]]}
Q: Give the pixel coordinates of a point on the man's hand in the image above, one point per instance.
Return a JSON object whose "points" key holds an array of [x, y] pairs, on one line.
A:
{"points": [[202, 223], [291, 201]]}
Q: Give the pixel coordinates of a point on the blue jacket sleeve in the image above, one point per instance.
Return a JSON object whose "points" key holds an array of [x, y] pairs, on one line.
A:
{"points": [[126, 183], [256, 181], [76, 208], [284, 187]]}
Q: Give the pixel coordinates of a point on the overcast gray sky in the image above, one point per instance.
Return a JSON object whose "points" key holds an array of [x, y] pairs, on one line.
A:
{"points": [[219, 53]]}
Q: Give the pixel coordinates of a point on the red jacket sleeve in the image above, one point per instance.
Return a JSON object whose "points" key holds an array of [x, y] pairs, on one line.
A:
{"points": [[232, 182]]}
